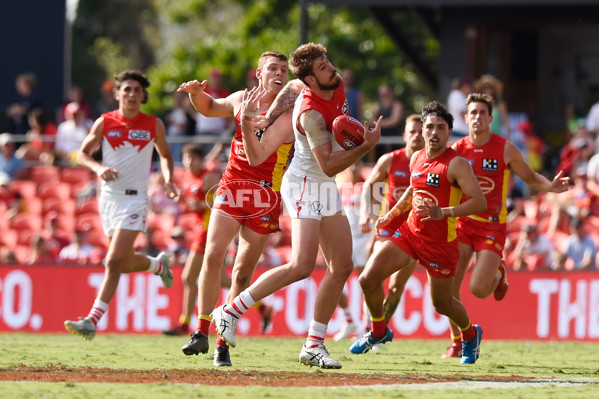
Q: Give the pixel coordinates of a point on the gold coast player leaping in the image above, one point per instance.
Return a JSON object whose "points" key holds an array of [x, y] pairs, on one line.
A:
{"points": [[253, 217]]}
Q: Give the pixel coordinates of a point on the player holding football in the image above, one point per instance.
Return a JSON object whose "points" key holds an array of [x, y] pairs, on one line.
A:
{"points": [[492, 158], [234, 212], [438, 179], [312, 199]]}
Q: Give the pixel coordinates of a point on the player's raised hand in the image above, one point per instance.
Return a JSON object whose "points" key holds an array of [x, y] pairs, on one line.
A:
{"points": [[193, 87], [372, 135]]}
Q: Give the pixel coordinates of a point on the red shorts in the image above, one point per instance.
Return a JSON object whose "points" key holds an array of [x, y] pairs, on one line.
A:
{"points": [[481, 235], [251, 204], [438, 258], [388, 230]]}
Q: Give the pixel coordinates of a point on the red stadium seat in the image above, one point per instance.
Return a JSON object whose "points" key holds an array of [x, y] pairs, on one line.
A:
{"points": [[8, 238], [89, 205], [161, 221], [22, 253], [24, 237], [26, 221], [59, 190], [34, 205], [76, 176], [60, 206], [45, 173], [27, 188], [92, 218]]}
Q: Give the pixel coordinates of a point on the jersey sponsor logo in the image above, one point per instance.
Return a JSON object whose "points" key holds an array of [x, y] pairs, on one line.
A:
{"points": [[398, 191], [434, 265], [445, 272], [490, 165], [416, 174], [422, 197], [114, 134], [433, 179], [400, 173], [265, 218], [396, 234], [144, 135], [486, 184]]}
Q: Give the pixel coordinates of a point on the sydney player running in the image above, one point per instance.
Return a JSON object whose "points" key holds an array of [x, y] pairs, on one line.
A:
{"points": [[128, 138]]}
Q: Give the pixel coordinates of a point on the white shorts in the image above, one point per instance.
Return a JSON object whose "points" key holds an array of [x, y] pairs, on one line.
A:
{"points": [[360, 243], [126, 212], [309, 198]]}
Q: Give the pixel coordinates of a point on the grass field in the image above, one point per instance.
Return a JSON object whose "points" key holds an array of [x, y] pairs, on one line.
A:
{"points": [[141, 366]]}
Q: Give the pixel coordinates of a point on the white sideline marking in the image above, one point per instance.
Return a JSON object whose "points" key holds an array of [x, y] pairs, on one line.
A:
{"points": [[468, 384]]}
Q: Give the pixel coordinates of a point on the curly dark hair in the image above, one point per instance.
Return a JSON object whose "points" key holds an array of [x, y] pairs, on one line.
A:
{"points": [[133, 75], [437, 109], [301, 59]]}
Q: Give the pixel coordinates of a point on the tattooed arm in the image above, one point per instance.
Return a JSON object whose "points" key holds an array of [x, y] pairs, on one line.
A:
{"points": [[403, 205], [284, 102]]}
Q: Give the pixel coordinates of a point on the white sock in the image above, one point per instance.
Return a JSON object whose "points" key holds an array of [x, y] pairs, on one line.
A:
{"points": [[316, 334], [97, 311], [155, 265], [241, 304]]}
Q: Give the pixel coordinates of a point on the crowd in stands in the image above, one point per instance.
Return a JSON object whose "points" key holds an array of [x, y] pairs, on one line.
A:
{"points": [[49, 210]]}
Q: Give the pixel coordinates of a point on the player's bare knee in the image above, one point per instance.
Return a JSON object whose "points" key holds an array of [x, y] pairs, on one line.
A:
{"points": [[479, 291]]}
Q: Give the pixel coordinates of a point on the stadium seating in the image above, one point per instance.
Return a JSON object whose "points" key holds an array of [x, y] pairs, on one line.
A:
{"points": [[8, 238], [26, 221], [161, 221], [89, 205], [27, 188], [45, 173], [59, 190], [60, 206]]}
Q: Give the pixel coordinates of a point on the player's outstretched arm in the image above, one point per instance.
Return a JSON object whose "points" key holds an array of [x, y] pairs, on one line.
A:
{"points": [[404, 204], [518, 165], [259, 149], [204, 103]]}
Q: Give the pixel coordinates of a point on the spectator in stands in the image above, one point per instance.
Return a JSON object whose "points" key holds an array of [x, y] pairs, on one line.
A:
{"points": [[180, 122], [534, 251], [41, 251], [52, 234], [40, 139], [75, 96], [578, 150], [354, 96], [392, 111], [8, 257], [10, 164], [592, 172], [580, 252], [456, 105], [149, 248], [71, 133], [576, 203], [489, 84], [25, 85], [80, 251]]}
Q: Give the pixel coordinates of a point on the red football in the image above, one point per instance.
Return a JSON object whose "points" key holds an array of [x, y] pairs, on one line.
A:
{"points": [[348, 131]]}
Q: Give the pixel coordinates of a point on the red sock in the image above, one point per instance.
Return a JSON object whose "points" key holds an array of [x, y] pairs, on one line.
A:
{"points": [[220, 342], [204, 326], [379, 328], [469, 334]]}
